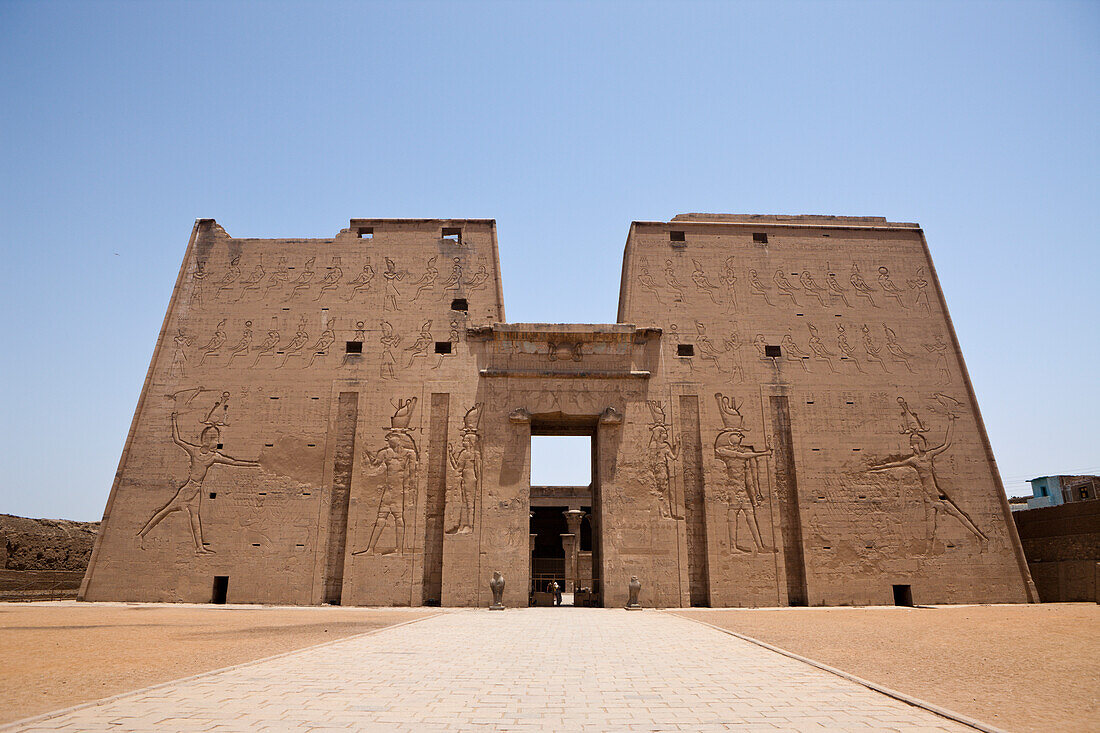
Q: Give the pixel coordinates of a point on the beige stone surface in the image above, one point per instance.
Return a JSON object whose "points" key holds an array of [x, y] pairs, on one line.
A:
{"points": [[1018, 667], [533, 669], [54, 655], [780, 416]]}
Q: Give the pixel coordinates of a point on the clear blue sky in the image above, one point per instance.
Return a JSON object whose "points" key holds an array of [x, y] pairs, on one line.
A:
{"points": [[121, 123]]}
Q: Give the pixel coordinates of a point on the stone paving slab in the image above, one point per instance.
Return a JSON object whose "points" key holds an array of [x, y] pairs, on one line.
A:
{"points": [[538, 669]]}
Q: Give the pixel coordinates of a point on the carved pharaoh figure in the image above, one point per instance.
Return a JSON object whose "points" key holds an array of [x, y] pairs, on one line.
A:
{"points": [[662, 456], [188, 497], [742, 474], [466, 462], [397, 460]]}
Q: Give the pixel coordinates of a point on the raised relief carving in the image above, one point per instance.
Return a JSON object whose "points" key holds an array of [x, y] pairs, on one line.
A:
{"points": [[729, 280], [941, 350], [479, 280], [919, 284], [201, 457], [243, 346], [846, 348], [279, 277], [267, 347], [863, 290], [331, 280], [871, 350], [673, 282], [742, 462], [361, 283], [215, 342], [611, 416], [896, 351], [254, 281], [454, 281], [392, 276], [733, 345], [423, 344], [810, 286], [785, 286], [791, 352], [397, 462], [565, 350], [304, 280], [179, 358], [821, 353], [702, 283], [427, 280], [646, 279], [321, 346], [390, 341], [707, 349], [662, 456], [455, 337], [467, 463], [197, 279], [519, 416], [921, 460], [231, 274], [834, 288], [758, 288], [294, 348], [889, 288]]}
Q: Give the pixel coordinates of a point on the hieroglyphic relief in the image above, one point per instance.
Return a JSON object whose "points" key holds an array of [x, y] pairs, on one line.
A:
{"points": [[863, 290], [454, 280], [873, 352], [919, 284], [397, 464], [821, 353], [785, 286], [758, 288], [706, 348], [454, 337], [201, 457], [423, 344], [733, 345], [467, 463], [197, 278], [215, 342], [279, 277], [254, 281], [392, 276], [270, 342], [479, 280], [179, 357], [673, 282], [834, 287], [304, 280], [232, 273], [791, 352], [243, 346], [427, 280], [888, 287], [742, 493], [331, 280], [296, 344], [646, 279], [729, 280], [360, 336], [361, 282], [662, 455], [702, 283], [897, 352], [325, 340], [846, 348], [934, 497], [941, 350], [390, 340], [810, 286]]}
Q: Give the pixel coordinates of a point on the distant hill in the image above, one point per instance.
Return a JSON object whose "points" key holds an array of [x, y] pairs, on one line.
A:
{"points": [[45, 544]]}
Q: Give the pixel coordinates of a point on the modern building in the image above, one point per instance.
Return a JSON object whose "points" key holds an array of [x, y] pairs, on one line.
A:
{"points": [[1058, 490], [779, 415]]}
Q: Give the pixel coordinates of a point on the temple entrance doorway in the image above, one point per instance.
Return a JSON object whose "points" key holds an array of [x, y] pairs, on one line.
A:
{"points": [[563, 524]]}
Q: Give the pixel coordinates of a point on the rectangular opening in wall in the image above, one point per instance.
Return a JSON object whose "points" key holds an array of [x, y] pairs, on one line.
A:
{"points": [[353, 347], [213, 494], [903, 595], [365, 232], [773, 351], [221, 589], [459, 304], [685, 350], [759, 238], [442, 347], [676, 237], [453, 234]]}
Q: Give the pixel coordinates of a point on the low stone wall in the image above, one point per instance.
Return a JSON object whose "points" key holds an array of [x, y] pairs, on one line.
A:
{"points": [[38, 585], [1062, 545], [43, 559]]}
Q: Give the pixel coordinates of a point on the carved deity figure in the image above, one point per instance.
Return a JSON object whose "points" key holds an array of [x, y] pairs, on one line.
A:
{"points": [[422, 345], [331, 280], [743, 475], [729, 280], [215, 341], [758, 288], [427, 280], [197, 278], [244, 345], [888, 287], [188, 497], [390, 341], [478, 281], [398, 461], [921, 286], [231, 274], [934, 498], [646, 279], [810, 286], [496, 585], [361, 283], [863, 290], [785, 286], [634, 589], [466, 462], [392, 276], [703, 283], [662, 457]]}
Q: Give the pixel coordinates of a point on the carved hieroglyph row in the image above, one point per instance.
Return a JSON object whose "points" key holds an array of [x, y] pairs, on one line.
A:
{"points": [[280, 281], [779, 288]]}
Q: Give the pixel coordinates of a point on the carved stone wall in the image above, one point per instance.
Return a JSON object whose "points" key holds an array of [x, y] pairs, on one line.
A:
{"points": [[780, 415]]}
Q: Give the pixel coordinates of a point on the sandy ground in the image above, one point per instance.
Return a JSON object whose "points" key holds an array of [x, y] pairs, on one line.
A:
{"points": [[1018, 667], [53, 655]]}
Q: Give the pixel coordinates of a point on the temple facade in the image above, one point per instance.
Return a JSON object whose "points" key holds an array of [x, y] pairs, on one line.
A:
{"points": [[780, 415]]}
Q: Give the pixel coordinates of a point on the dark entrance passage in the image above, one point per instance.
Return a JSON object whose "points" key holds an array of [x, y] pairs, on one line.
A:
{"points": [[221, 589], [563, 526]]}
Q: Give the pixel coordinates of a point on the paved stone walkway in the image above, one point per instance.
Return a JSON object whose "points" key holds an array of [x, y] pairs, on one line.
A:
{"points": [[552, 669]]}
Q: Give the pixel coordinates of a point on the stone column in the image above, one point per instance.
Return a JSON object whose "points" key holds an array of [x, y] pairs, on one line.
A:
{"points": [[569, 544], [531, 555], [573, 520]]}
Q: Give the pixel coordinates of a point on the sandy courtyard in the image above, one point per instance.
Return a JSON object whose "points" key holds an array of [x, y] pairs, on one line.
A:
{"points": [[1018, 667], [53, 655]]}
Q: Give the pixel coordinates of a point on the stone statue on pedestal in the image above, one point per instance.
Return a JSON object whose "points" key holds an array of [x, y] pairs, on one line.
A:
{"points": [[497, 586], [635, 587]]}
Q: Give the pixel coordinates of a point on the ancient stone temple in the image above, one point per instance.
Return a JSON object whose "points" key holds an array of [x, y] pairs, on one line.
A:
{"points": [[780, 416]]}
